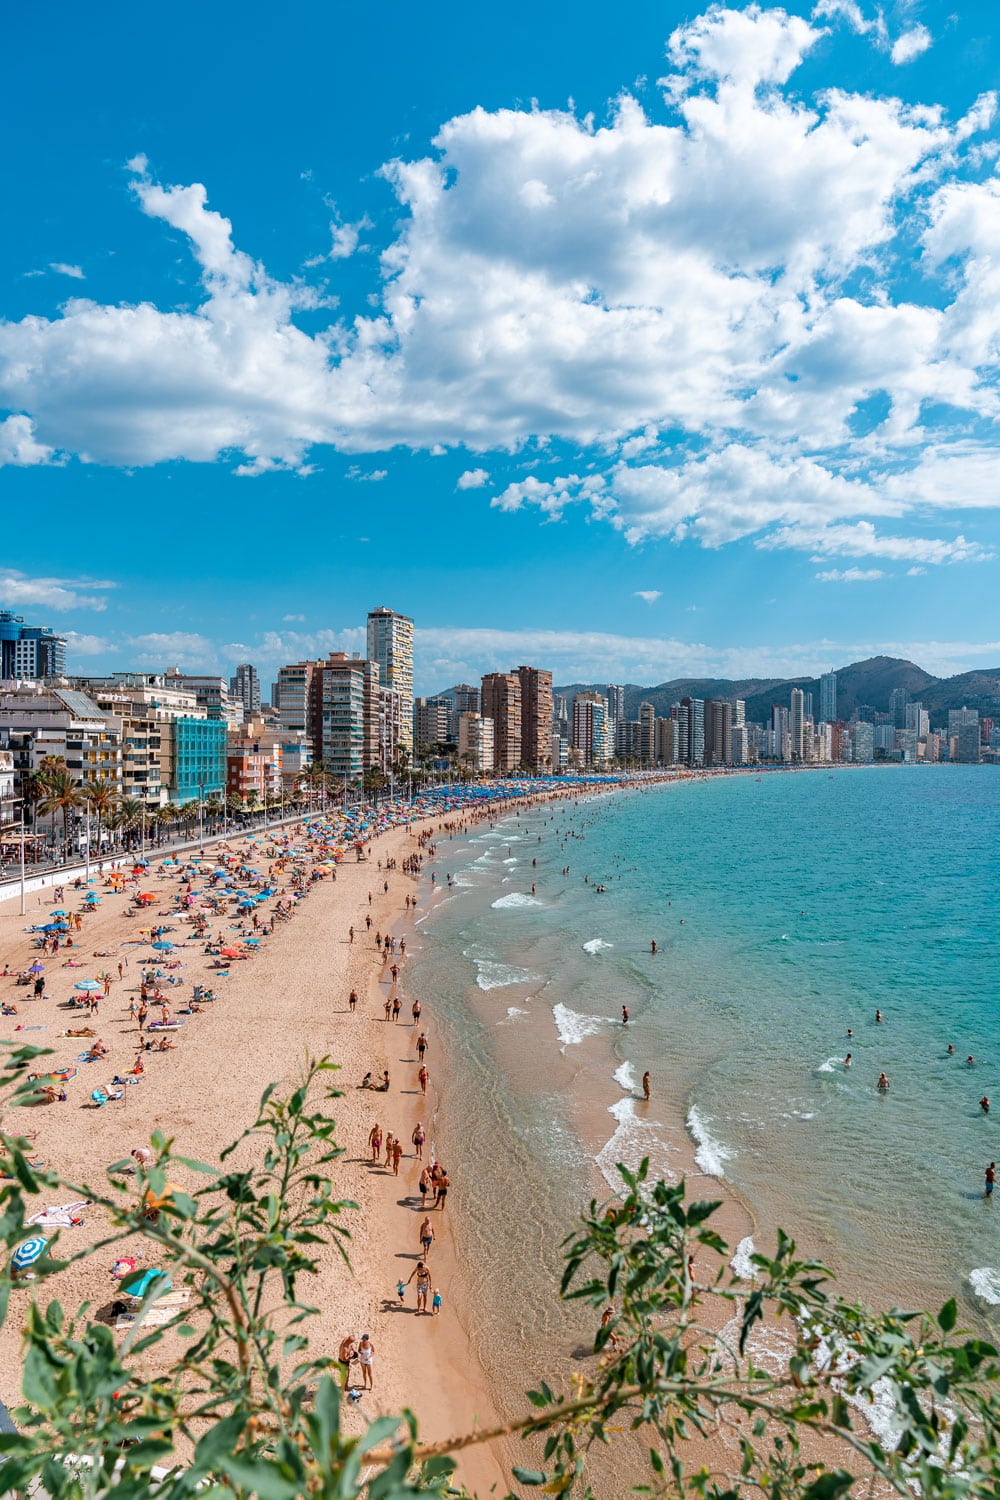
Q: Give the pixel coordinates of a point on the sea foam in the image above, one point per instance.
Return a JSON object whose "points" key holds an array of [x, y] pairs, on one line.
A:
{"points": [[985, 1282], [572, 1027], [709, 1154], [624, 1077], [496, 976], [516, 898], [633, 1140], [741, 1263], [596, 945]]}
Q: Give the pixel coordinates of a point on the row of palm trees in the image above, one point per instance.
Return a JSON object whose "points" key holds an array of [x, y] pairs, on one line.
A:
{"points": [[52, 792]]}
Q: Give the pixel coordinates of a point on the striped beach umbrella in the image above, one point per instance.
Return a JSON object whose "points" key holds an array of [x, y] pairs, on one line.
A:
{"points": [[28, 1251], [87, 984]]}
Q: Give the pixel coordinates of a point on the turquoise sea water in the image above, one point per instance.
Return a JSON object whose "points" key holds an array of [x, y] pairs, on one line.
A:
{"points": [[787, 909]]}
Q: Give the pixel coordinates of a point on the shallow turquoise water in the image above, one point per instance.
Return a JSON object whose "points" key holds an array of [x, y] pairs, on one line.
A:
{"points": [[787, 909]]}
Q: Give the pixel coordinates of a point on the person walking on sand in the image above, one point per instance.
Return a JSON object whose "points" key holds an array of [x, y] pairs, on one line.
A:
{"points": [[416, 1011], [375, 1140], [350, 932], [443, 1184], [394, 971], [436, 1301], [426, 1236], [397, 1153], [423, 1078], [645, 1086], [421, 1046], [991, 1178], [352, 1000], [388, 1009], [425, 1187], [397, 1006], [418, 1141], [423, 1276], [366, 1354]]}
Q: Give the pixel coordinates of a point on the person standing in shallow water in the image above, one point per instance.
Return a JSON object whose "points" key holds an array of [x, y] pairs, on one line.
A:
{"points": [[645, 1086], [624, 1015]]}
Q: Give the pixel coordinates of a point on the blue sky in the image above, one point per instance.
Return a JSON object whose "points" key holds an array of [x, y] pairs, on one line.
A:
{"points": [[638, 343]]}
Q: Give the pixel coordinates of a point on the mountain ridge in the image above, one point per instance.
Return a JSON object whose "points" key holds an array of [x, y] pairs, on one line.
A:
{"points": [[863, 682]]}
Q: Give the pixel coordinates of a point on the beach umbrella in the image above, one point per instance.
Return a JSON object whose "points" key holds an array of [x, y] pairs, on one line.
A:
{"points": [[87, 984], [28, 1251], [141, 1285], [252, 942], [36, 968], [229, 952], [163, 946], [59, 912]]}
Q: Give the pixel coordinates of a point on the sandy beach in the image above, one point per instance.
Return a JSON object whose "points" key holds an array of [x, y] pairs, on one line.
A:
{"points": [[290, 1000]]}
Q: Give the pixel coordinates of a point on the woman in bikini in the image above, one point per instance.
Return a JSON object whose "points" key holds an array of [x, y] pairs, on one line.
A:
{"points": [[423, 1285]]}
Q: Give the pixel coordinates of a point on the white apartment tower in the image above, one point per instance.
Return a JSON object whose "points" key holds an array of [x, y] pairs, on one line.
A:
{"points": [[390, 643]]}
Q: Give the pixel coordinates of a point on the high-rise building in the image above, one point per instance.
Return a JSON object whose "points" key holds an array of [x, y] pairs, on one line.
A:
{"points": [[666, 742], [536, 718], [390, 644], [299, 706], [628, 741], [864, 742], [211, 694], [780, 741], [475, 741], [898, 699], [828, 697], [963, 734], [590, 729], [245, 688], [616, 702], [349, 714], [796, 726], [432, 719], [693, 716], [501, 702], [647, 734], [718, 732], [29, 652]]}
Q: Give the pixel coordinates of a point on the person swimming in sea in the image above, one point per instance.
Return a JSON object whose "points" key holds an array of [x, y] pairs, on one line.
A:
{"points": [[883, 1082], [984, 1104], [847, 1060]]}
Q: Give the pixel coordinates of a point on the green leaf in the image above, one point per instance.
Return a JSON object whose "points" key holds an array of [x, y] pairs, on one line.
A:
{"points": [[263, 1479], [529, 1476], [219, 1440], [948, 1316]]}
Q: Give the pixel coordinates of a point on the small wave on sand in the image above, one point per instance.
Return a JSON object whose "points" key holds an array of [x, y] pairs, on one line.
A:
{"points": [[985, 1282], [597, 945], [741, 1263], [496, 976], [710, 1154], [572, 1027]]}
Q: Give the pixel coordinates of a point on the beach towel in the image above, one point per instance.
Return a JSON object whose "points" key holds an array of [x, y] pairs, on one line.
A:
{"points": [[64, 1215]]}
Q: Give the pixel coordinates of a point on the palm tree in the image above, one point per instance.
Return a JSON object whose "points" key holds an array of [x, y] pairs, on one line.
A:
{"points": [[63, 795], [103, 797], [129, 815], [33, 791]]}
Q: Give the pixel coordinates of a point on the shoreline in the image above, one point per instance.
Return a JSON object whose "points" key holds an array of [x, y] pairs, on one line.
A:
{"points": [[288, 1002]]}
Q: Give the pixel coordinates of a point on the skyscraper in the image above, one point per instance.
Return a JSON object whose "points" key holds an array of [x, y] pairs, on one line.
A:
{"points": [[390, 644], [796, 726], [536, 718], [898, 699], [590, 729], [718, 732], [501, 702], [647, 733], [692, 736], [828, 697], [349, 714], [245, 687], [616, 702], [29, 652]]}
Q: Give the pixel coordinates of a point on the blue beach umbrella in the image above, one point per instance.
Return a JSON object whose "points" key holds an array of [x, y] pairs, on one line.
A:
{"points": [[28, 1251], [148, 1278], [87, 985], [59, 912], [163, 946], [36, 968]]}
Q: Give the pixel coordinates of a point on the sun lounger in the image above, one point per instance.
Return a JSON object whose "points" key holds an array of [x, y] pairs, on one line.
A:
{"points": [[104, 1096]]}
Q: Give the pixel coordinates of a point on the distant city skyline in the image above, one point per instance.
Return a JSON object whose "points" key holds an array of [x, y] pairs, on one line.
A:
{"points": [[485, 346]]}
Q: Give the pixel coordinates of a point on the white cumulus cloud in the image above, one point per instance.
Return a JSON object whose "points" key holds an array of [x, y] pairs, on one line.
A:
{"points": [[473, 479], [17, 589], [649, 596], [910, 45]]}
